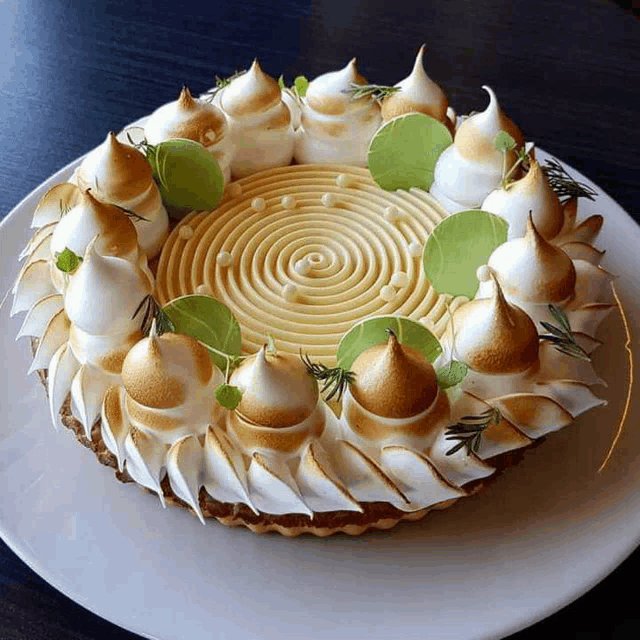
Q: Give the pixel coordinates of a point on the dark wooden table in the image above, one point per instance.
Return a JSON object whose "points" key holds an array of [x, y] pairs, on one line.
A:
{"points": [[567, 71]]}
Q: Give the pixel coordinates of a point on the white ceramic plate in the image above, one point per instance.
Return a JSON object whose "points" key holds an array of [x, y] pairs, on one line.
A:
{"points": [[541, 535]]}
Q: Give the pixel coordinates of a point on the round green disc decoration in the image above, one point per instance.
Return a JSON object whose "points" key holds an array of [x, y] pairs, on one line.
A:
{"points": [[373, 331], [458, 246], [188, 176], [404, 152], [209, 321]]}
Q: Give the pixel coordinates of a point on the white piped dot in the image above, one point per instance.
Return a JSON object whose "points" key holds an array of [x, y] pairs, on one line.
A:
{"points": [[392, 214], [303, 267], [483, 273], [258, 204], [224, 259], [185, 232], [387, 293], [400, 279], [204, 290], [342, 180], [290, 292], [234, 190], [288, 202], [415, 249], [329, 200]]}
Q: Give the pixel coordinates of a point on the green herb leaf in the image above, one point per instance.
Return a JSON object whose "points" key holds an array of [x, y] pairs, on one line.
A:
{"points": [[301, 84], [564, 185], [188, 176], [208, 321], [469, 429], [562, 337], [272, 349], [404, 151], [335, 379], [451, 374], [67, 260], [281, 81], [228, 396], [375, 91], [151, 311], [504, 142], [458, 246], [373, 331]]}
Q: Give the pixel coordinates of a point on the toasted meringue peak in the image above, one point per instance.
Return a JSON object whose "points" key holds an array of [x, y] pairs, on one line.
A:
{"points": [[115, 170], [187, 117], [328, 94], [259, 122], [471, 168], [417, 93], [532, 193], [334, 126], [532, 270], [492, 336], [277, 390], [393, 381], [104, 293], [474, 138], [159, 370], [90, 217], [250, 93]]}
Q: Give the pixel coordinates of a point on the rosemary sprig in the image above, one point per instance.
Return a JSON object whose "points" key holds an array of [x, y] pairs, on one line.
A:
{"points": [[563, 184], [561, 336], [335, 379], [151, 310], [132, 214], [64, 209], [469, 429], [375, 91], [221, 83]]}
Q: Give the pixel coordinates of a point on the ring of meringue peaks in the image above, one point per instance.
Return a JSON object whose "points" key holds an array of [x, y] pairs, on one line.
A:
{"points": [[193, 119], [280, 409], [394, 397], [417, 93], [119, 174], [472, 167], [335, 127]]}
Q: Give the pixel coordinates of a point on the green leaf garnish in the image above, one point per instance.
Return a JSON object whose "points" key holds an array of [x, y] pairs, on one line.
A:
{"points": [[188, 176], [451, 374], [458, 246], [373, 331], [300, 85], [67, 260], [272, 349], [335, 379], [562, 337], [469, 429], [504, 142], [404, 151], [281, 82], [208, 321], [228, 396]]}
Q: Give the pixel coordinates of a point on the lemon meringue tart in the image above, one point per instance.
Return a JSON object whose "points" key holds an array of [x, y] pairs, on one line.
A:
{"points": [[322, 308]]}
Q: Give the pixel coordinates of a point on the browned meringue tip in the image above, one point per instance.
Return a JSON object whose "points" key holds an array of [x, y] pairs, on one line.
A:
{"points": [[393, 380], [185, 99]]}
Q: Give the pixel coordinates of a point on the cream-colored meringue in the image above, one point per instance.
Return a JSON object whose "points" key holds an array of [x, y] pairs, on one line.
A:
{"points": [[531, 194], [170, 385], [118, 174], [279, 409], [472, 167], [417, 93], [259, 121], [492, 336], [335, 127], [193, 119], [531, 270], [101, 300]]}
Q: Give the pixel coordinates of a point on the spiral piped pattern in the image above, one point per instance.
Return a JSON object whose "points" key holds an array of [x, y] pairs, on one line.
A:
{"points": [[307, 266]]}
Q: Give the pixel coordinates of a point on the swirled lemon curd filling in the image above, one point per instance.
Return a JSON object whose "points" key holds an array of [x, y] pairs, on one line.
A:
{"points": [[302, 253]]}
